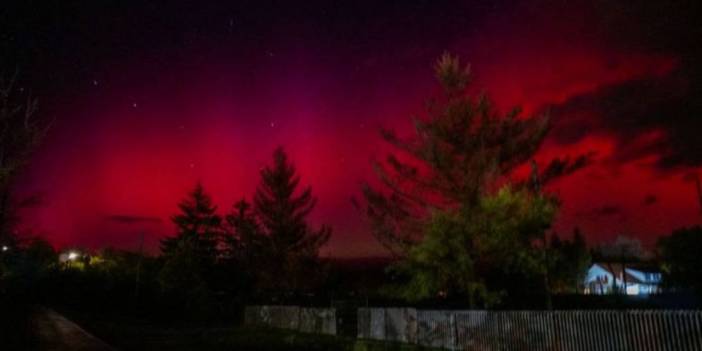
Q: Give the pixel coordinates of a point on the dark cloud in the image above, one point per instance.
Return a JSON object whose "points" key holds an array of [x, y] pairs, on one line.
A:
{"points": [[632, 110], [653, 116], [131, 219], [650, 199]]}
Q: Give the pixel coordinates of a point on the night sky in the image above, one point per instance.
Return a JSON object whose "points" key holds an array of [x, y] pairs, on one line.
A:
{"points": [[149, 98]]}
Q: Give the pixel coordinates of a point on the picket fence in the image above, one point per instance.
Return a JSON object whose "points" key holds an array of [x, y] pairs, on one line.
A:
{"points": [[536, 330], [654, 330]]}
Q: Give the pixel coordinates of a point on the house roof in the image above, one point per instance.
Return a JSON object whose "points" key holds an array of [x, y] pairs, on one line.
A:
{"points": [[616, 270]]}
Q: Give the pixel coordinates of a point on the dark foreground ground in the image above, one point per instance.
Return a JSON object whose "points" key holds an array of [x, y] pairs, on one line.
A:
{"points": [[53, 331], [48, 330]]}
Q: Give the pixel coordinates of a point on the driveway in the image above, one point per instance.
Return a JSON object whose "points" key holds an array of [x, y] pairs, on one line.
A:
{"points": [[56, 333]]}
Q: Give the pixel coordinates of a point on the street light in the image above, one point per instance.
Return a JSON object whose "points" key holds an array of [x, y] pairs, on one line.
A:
{"points": [[73, 255]]}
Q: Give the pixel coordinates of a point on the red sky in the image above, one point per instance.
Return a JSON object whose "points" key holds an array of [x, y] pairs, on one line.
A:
{"points": [[140, 116]]}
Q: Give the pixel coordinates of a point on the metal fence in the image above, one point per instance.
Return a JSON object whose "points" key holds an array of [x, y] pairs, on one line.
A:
{"points": [[535, 330]]}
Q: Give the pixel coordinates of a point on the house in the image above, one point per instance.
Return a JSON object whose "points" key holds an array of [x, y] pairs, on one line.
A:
{"points": [[603, 278]]}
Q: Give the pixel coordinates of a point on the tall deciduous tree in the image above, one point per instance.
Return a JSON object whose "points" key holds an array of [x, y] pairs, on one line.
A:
{"points": [[282, 210], [456, 166], [20, 132], [459, 250]]}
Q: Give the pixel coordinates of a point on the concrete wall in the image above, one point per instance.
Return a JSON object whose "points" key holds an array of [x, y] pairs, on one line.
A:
{"points": [[318, 320], [394, 324], [308, 320]]}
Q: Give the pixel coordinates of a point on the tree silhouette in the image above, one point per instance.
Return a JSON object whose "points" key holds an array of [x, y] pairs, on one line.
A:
{"points": [[570, 260], [244, 240], [459, 153], [20, 132], [245, 247], [198, 227], [188, 271], [458, 163], [681, 257], [282, 211]]}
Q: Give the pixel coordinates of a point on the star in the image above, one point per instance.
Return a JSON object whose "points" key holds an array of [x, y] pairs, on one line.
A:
{"points": [[134, 104], [95, 82], [272, 124]]}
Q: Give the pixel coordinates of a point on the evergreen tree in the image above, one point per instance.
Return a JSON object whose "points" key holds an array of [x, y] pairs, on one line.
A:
{"points": [[244, 240], [458, 164], [282, 211], [188, 274], [461, 152], [198, 227], [245, 248]]}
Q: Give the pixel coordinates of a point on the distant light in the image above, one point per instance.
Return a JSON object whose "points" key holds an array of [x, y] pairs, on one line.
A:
{"points": [[73, 255], [5, 248]]}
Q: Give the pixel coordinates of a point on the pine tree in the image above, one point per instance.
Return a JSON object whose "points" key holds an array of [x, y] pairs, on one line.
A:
{"points": [[458, 166], [460, 152], [245, 249], [282, 211], [198, 227], [244, 240], [188, 273]]}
